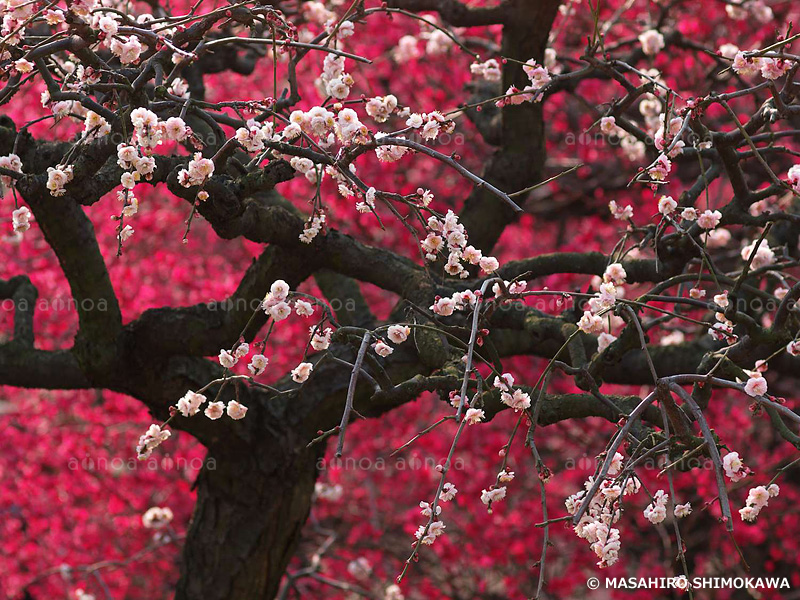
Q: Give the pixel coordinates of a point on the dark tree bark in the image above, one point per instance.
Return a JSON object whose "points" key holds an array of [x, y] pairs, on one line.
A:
{"points": [[247, 522], [255, 490]]}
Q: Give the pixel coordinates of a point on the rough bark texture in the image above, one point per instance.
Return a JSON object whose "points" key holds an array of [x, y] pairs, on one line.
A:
{"points": [[255, 491], [247, 522]]}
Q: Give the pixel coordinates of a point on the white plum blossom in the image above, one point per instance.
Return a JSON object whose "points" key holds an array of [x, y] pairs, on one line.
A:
{"points": [[434, 530], [489, 70], [398, 333], [474, 416], [590, 323], [176, 129], [621, 213], [764, 256], [279, 289], [793, 175], [359, 568], [321, 340], [505, 476], [443, 307], [489, 264], [257, 364], [199, 170], [381, 107], [157, 517], [728, 51], [660, 168], [303, 308], [152, 438], [667, 205], [407, 49], [127, 49], [190, 403], [95, 126], [126, 233], [382, 349], [604, 340], [214, 410], [756, 385], [709, 219], [301, 372], [608, 125], [58, 177], [226, 359], [746, 66], [615, 273], [448, 492], [493, 495], [538, 75], [757, 498], [279, 311], [20, 219], [774, 68], [652, 42], [504, 382], [734, 467], [657, 511], [12, 162], [427, 509], [235, 410], [518, 400]]}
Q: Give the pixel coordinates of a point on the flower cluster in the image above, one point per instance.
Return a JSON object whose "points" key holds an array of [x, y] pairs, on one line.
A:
{"points": [[151, 439], [312, 227], [489, 70], [734, 467], [652, 42], [198, 172], [254, 135], [539, 77], [21, 219], [604, 510], [397, 334], [793, 175], [95, 126], [427, 534], [592, 321], [756, 384], [444, 307], [12, 162], [58, 177], [511, 397], [770, 68], [333, 81], [127, 48], [757, 498], [764, 255], [656, 512], [317, 121], [157, 517], [430, 124], [320, 340], [380, 108], [451, 234]]}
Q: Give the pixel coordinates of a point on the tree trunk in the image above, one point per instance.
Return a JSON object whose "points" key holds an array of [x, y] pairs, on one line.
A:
{"points": [[247, 522]]}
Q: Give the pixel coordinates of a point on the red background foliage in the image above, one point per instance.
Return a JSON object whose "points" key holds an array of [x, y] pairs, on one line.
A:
{"points": [[73, 493]]}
